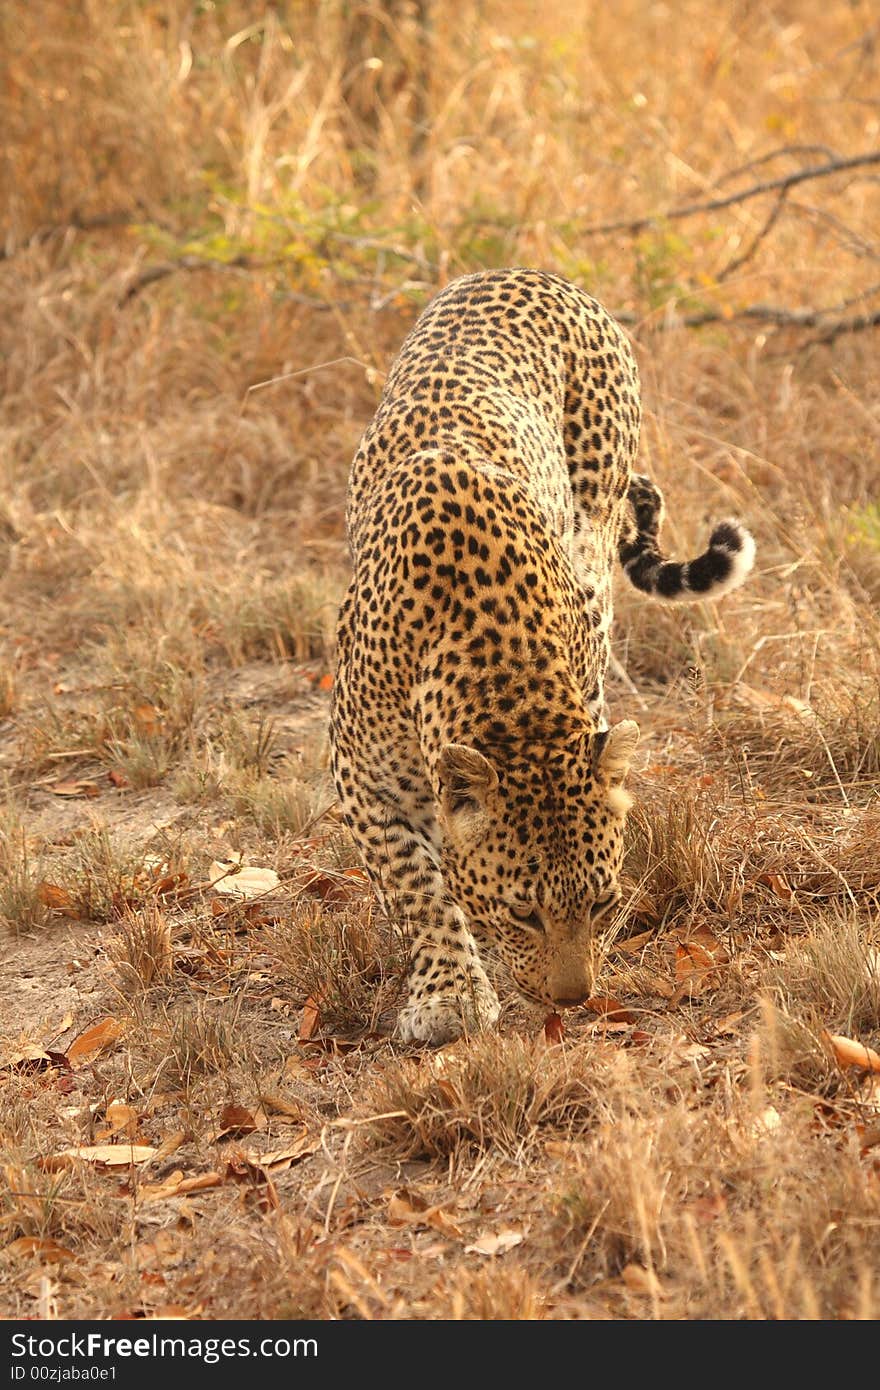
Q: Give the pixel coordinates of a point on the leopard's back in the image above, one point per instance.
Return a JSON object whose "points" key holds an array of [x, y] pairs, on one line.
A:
{"points": [[524, 371]]}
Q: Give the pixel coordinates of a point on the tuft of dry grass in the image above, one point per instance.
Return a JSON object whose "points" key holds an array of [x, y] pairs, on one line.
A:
{"points": [[673, 856], [748, 1218], [191, 1040], [21, 906], [498, 1093], [500, 1294], [350, 961], [827, 980], [142, 953]]}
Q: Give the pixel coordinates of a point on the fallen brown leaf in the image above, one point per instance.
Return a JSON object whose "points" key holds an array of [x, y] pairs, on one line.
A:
{"points": [[75, 787], [611, 1009], [278, 1105], [237, 1120], [495, 1244], [692, 959], [642, 1281], [234, 879], [54, 1030], [278, 1160], [94, 1040], [778, 886], [411, 1209], [730, 1023], [176, 1185], [33, 1058], [311, 1017], [768, 700], [440, 1220], [631, 944], [849, 1053], [170, 1145], [43, 1248], [109, 1155], [167, 1248], [686, 1049], [119, 1116], [404, 1206], [604, 1028], [554, 1029], [336, 887], [694, 969]]}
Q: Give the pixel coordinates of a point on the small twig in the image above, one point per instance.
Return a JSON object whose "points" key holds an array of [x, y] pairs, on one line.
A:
{"points": [[774, 314], [620, 673], [739, 261], [385, 248], [244, 265], [152, 273], [79, 224], [857, 324], [763, 159], [818, 171], [846, 236]]}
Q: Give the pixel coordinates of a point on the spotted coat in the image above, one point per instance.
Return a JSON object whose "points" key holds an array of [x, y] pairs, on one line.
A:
{"points": [[489, 498]]}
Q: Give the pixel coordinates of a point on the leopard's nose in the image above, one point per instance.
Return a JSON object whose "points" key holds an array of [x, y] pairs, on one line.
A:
{"points": [[570, 999]]}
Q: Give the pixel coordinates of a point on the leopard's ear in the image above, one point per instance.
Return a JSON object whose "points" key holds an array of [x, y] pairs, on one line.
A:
{"points": [[467, 779], [613, 751]]}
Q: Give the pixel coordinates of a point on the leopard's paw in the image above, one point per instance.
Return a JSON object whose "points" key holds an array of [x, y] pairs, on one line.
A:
{"points": [[443, 1018]]}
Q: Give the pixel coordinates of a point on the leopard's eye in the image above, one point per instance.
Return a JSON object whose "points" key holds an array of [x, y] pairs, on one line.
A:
{"points": [[525, 914]]}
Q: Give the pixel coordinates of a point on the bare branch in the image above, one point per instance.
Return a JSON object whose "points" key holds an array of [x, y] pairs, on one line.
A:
{"points": [[244, 265], [75, 222], [857, 324], [819, 171], [160, 271], [829, 318], [844, 235], [739, 261], [782, 151]]}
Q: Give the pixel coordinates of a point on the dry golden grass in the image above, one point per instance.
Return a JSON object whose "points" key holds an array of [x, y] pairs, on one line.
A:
{"points": [[219, 228]]}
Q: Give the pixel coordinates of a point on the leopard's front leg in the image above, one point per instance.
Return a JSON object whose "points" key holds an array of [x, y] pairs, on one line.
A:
{"points": [[389, 807], [449, 992]]}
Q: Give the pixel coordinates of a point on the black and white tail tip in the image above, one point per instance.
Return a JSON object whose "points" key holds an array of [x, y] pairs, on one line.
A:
{"points": [[723, 566]]}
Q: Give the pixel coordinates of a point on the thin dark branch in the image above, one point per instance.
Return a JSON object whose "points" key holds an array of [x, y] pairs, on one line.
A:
{"points": [[857, 324], [819, 171], [782, 151], [828, 318], [153, 273], [739, 261], [243, 265], [77, 223], [845, 236]]}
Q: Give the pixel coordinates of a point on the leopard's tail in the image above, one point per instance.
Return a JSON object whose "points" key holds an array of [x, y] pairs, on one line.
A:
{"points": [[722, 566]]}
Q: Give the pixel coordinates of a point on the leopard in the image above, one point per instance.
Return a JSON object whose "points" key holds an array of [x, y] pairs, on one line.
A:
{"points": [[489, 500]]}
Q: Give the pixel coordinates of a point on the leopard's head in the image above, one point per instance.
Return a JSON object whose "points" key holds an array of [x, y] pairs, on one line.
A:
{"points": [[532, 848]]}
